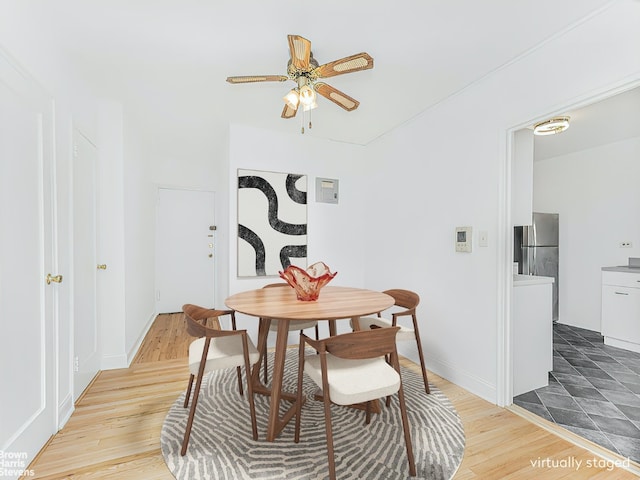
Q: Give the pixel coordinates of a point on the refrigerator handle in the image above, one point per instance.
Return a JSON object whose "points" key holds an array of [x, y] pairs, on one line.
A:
{"points": [[534, 270], [527, 260]]}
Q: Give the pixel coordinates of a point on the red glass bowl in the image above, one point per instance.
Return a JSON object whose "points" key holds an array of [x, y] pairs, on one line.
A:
{"points": [[307, 283]]}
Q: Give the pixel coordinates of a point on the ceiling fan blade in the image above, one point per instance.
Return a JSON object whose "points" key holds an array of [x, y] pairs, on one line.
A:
{"points": [[354, 63], [258, 78], [336, 96], [288, 112], [300, 51]]}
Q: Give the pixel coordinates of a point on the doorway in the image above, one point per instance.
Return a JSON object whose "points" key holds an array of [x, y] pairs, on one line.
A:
{"points": [[504, 387], [185, 249], [86, 326]]}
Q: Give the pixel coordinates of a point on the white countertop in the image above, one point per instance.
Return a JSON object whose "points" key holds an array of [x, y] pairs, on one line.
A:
{"points": [[621, 268], [522, 280]]}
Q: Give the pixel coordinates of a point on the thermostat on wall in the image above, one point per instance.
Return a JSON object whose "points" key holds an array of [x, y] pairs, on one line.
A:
{"points": [[463, 239]]}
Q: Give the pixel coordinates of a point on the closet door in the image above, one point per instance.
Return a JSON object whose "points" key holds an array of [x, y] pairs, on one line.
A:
{"points": [[86, 324], [29, 280]]}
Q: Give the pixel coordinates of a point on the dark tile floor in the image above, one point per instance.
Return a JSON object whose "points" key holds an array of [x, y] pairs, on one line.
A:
{"points": [[593, 391]]}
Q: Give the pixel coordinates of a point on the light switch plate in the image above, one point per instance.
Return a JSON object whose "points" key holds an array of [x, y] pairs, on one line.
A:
{"points": [[483, 238]]}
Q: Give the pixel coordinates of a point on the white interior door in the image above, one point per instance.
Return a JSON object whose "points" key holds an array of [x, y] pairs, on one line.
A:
{"points": [[27, 253], [185, 249], [85, 315]]}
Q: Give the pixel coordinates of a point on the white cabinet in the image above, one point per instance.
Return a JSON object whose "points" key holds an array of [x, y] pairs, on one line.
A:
{"points": [[621, 309], [532, 322]]}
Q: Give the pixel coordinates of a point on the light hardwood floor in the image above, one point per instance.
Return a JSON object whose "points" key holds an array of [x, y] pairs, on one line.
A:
{"points": [[114, 431]]}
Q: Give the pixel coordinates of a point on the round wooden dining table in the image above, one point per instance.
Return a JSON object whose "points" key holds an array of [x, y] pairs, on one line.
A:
{"points": [[334, 303]]}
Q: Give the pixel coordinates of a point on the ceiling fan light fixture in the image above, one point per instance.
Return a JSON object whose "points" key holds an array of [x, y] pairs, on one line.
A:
{"points": [[551, 126], [311, 106], [305, 71], [307, 95], [292, 99]]}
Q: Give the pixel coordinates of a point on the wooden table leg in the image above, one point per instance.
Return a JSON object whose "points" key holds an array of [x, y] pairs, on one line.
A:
{"points": [[275, 424], [263, 332], [332, 328]]}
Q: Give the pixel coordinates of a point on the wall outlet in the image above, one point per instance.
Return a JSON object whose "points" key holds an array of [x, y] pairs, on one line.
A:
{"points": [[76, 364], [625, 245]]}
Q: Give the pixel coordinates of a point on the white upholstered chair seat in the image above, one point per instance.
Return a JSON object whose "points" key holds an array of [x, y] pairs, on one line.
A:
{"points": [[405, 333], [354, 381], [224, 352], [294, 325]]}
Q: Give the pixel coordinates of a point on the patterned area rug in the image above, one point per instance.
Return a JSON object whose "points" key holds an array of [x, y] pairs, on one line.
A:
{"points": [[221, 446]]}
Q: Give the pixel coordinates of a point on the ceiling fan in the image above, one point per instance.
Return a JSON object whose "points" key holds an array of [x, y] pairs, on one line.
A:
{"points": [[303, 69]]}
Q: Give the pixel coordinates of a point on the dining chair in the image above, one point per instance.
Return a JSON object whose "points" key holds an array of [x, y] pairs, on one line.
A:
{"points": [[409, 301], [216, 324], [292, 326], [351, 369], [216, 349]]}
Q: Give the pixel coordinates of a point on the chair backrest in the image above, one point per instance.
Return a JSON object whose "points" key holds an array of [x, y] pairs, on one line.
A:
{"points": [[404, 298], [194, 315], [362, 344]]}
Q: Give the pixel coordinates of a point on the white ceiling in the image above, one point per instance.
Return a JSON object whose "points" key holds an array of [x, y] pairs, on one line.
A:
{"points": [[610, 120], [167, 60]]}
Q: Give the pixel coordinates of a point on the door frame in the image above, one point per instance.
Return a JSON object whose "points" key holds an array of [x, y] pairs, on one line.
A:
{"points": [[504, 351], [77, 132]]}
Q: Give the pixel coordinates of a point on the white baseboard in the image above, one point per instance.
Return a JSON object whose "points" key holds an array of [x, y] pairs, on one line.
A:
{"points": [[111, 362], [122, 360], [614, 342], [65, 409], [134, 349], [472, 383]]}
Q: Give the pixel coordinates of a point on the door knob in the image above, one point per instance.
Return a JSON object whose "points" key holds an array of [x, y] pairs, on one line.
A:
{"points": [[53, 278], [102, 266]]}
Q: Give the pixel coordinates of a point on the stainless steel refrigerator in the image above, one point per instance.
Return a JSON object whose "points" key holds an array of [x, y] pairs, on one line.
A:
{"points": [[536, 250]]}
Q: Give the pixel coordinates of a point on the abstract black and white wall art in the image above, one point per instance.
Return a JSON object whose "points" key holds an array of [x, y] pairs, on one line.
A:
{"points": [[272, 222]]}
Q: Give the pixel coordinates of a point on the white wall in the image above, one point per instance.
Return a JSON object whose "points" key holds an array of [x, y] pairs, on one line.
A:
{"points": [[139, 238], [596, 193], [335, 232], [448, 167]]}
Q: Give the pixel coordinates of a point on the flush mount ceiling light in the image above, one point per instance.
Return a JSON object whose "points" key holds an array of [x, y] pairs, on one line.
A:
{"points": [[552, 126]]}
